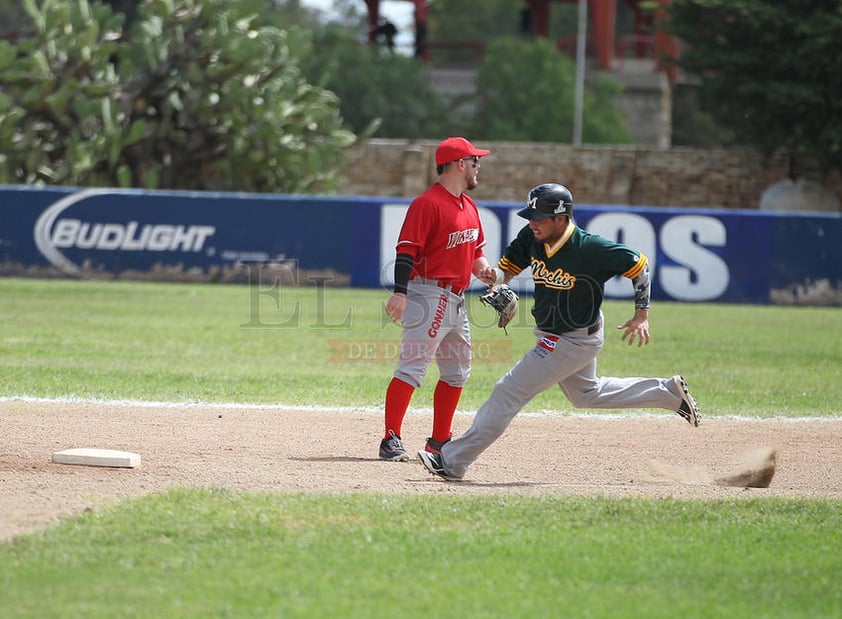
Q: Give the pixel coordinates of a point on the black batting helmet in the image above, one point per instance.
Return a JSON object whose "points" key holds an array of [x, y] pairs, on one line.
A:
{"points": [[547, 200]]}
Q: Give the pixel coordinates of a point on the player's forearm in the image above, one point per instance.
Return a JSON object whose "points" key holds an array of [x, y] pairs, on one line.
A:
{"points": [[403, 271], [504, 276], [642, 290]]}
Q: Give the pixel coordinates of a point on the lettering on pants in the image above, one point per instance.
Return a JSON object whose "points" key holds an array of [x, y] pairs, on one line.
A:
{"points": [[438, 318]]}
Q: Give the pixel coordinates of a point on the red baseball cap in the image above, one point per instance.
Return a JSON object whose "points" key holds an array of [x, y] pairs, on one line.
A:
{"points": [[452, 149]]}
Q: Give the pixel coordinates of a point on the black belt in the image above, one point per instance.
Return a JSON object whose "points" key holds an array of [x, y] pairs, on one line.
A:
{"points": [[591, 329]]}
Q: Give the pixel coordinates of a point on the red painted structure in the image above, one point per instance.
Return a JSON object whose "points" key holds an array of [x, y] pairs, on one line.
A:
{"points": [[646, 42]]}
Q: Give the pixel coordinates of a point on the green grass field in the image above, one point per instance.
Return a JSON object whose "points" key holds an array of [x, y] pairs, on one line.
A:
{"points": [[210, 552], [309, 346]]}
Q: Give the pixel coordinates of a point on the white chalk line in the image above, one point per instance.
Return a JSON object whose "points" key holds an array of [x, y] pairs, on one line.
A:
{"points": [[376, 409]]}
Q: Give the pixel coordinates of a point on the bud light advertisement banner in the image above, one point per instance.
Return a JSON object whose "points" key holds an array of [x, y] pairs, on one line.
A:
{"points": [[83, 232], [696, 255]]}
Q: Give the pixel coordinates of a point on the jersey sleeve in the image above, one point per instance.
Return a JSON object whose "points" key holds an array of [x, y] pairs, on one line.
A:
{"points": [[479, 252], [616, 258], [517, 256], [413, 234], [638, 267]]}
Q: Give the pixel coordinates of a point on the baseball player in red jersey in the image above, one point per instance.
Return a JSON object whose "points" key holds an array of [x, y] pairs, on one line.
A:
{"points": [[569, 268], [439, 246]]}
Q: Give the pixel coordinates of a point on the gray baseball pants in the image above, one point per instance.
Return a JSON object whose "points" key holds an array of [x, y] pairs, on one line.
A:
{"points": [[571, 364], [435, 327]]}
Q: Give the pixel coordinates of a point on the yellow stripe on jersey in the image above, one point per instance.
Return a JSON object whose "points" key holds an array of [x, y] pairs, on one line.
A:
{"points": [[637, 269], [509, 266]]}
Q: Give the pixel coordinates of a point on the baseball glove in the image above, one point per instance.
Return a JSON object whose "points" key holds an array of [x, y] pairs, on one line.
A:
{"points": [[504, 301]]}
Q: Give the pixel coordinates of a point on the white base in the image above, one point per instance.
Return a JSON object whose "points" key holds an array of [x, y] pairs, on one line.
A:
{"points": [[97, 457]]}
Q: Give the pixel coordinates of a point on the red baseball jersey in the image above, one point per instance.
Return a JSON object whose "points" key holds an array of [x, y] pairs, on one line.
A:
{"points": [[444, 234]]}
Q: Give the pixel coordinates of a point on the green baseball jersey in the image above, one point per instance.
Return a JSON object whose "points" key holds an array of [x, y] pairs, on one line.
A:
{"points": [[570, 274]]}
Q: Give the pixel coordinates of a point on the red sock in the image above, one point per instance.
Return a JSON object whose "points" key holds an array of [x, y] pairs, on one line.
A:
{"points": [[445, 399], [398, 395]]}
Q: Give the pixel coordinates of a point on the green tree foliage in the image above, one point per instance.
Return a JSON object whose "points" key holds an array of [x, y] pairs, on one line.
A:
{"points": [[526, 93], [481, 22], [381, 92], [12, 18], [770, 71], [201, 94]]}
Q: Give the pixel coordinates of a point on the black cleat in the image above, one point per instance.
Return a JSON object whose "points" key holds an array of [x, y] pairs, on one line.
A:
{"points": [[392, 449], [433, 463], [688, 409]]}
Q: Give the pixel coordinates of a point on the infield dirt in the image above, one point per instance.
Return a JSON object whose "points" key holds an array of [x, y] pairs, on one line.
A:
{"points": [[253, 449]]}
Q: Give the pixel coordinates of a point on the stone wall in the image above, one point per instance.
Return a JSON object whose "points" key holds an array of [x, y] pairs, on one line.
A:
{"points": [[631, 175]]}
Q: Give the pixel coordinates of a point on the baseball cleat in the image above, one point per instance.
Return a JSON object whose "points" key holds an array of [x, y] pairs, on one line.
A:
{"points": [[391, 449], [688, 409], [433, 446], [434, 464]]}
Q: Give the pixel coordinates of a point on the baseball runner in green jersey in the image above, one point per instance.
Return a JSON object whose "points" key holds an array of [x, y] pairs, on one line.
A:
{"points": [[569, 268]]}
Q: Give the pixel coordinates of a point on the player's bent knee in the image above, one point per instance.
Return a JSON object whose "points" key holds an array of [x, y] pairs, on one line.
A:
{"points": [[581, 399], [409, 379], [457, 382]]}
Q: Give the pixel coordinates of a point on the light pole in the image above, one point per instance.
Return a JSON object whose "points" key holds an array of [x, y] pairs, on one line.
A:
{"points": [[579, 94]]}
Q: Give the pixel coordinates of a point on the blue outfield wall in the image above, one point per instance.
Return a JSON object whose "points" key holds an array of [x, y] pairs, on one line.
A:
{"points": [[696, 254]]}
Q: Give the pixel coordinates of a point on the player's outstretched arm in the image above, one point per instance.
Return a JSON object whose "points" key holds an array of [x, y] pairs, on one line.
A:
{"points": [[636, 327]]}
